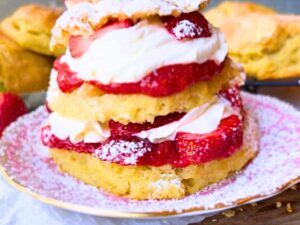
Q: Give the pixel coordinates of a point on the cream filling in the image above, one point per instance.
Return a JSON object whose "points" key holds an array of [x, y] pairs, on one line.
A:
{"points": [[129, 54], [200, 120], [77, 130]]}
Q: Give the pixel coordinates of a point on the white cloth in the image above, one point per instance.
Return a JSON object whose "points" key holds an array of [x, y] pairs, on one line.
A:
{"points": [[17, 208]]}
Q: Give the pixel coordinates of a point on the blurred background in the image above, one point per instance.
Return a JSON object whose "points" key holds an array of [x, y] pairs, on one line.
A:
{"points": [[287, 6]]}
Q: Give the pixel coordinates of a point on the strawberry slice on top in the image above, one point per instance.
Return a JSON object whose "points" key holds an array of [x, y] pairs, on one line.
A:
{"points": [[188, 26]]}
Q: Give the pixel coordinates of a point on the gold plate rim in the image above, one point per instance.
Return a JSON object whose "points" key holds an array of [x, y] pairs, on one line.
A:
{"points": [[142, 215]]}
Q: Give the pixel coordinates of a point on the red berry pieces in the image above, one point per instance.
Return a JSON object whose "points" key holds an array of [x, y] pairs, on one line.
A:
{"points": [[11, 107], [78, 45], [117, 129], [166, 80], [66, 79], [221, 143], [188, 26], [233, 95], [172, 79], [161, 154]]}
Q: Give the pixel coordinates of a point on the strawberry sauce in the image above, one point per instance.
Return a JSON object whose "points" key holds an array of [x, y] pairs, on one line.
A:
{"points": [[187, 148], [162, 82]]}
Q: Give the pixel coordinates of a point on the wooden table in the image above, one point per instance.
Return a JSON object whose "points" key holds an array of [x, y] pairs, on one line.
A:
{"points": [[264, 213]]}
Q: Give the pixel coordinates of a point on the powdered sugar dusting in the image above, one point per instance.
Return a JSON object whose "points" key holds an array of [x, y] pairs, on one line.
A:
{"points": [[165, 183], [124, 152], [186, 28], [277, 164]]}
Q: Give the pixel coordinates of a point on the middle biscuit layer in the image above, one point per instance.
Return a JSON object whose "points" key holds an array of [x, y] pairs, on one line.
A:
{"points": [[90, 103]]}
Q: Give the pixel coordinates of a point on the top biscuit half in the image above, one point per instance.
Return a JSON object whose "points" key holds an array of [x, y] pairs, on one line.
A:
{"points": [[86, 16]]}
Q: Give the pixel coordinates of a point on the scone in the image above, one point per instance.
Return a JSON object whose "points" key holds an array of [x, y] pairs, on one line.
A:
{"points": [[145, 102], [30, 26], [266, 43], [22, 71]]}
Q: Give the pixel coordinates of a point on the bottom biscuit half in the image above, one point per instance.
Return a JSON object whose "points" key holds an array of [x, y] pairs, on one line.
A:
{"points": [[147, 182]]}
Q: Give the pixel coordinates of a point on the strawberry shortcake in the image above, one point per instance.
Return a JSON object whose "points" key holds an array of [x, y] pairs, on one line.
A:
{"points": [[145, 103]]}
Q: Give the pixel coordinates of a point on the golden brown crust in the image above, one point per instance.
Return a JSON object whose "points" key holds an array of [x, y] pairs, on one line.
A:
{"points": [[267, 44], [89, 103], [22, 71], [30, 26], [146, 182], [86, 17], [229, 8]]}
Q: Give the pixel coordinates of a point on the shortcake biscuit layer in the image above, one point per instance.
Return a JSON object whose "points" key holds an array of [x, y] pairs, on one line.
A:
{"points": [[146, 182], [85, 17], [90, 103]]}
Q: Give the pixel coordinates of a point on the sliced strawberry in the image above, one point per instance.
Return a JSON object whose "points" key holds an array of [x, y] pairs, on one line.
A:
{"points": [[11, 107], [188, 26], [66, 79], [175, 78], [202, 148], [233, 95], [161, 154], [166, 80], [78, 45], [132, 128]]}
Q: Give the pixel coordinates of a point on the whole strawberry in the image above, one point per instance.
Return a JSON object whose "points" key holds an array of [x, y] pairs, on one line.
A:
{"points": [[11, 107]]}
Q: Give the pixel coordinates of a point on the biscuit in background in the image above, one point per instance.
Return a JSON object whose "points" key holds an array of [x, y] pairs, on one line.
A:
{"points": [[227, 9], [30, 26], [266, 43], [22, 71]]}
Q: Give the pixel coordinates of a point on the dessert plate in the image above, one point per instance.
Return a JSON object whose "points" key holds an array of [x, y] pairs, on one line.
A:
{"points": [[28, 167]]}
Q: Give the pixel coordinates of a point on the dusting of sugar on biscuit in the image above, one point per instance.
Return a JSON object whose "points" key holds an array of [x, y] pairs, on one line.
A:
{"points": [[165, 184], [83, 18], [125, 152]]}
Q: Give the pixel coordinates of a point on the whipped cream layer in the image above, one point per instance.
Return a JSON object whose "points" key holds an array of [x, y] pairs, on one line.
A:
{"points": [[77, 130], [200, 120], [129, 54]]}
